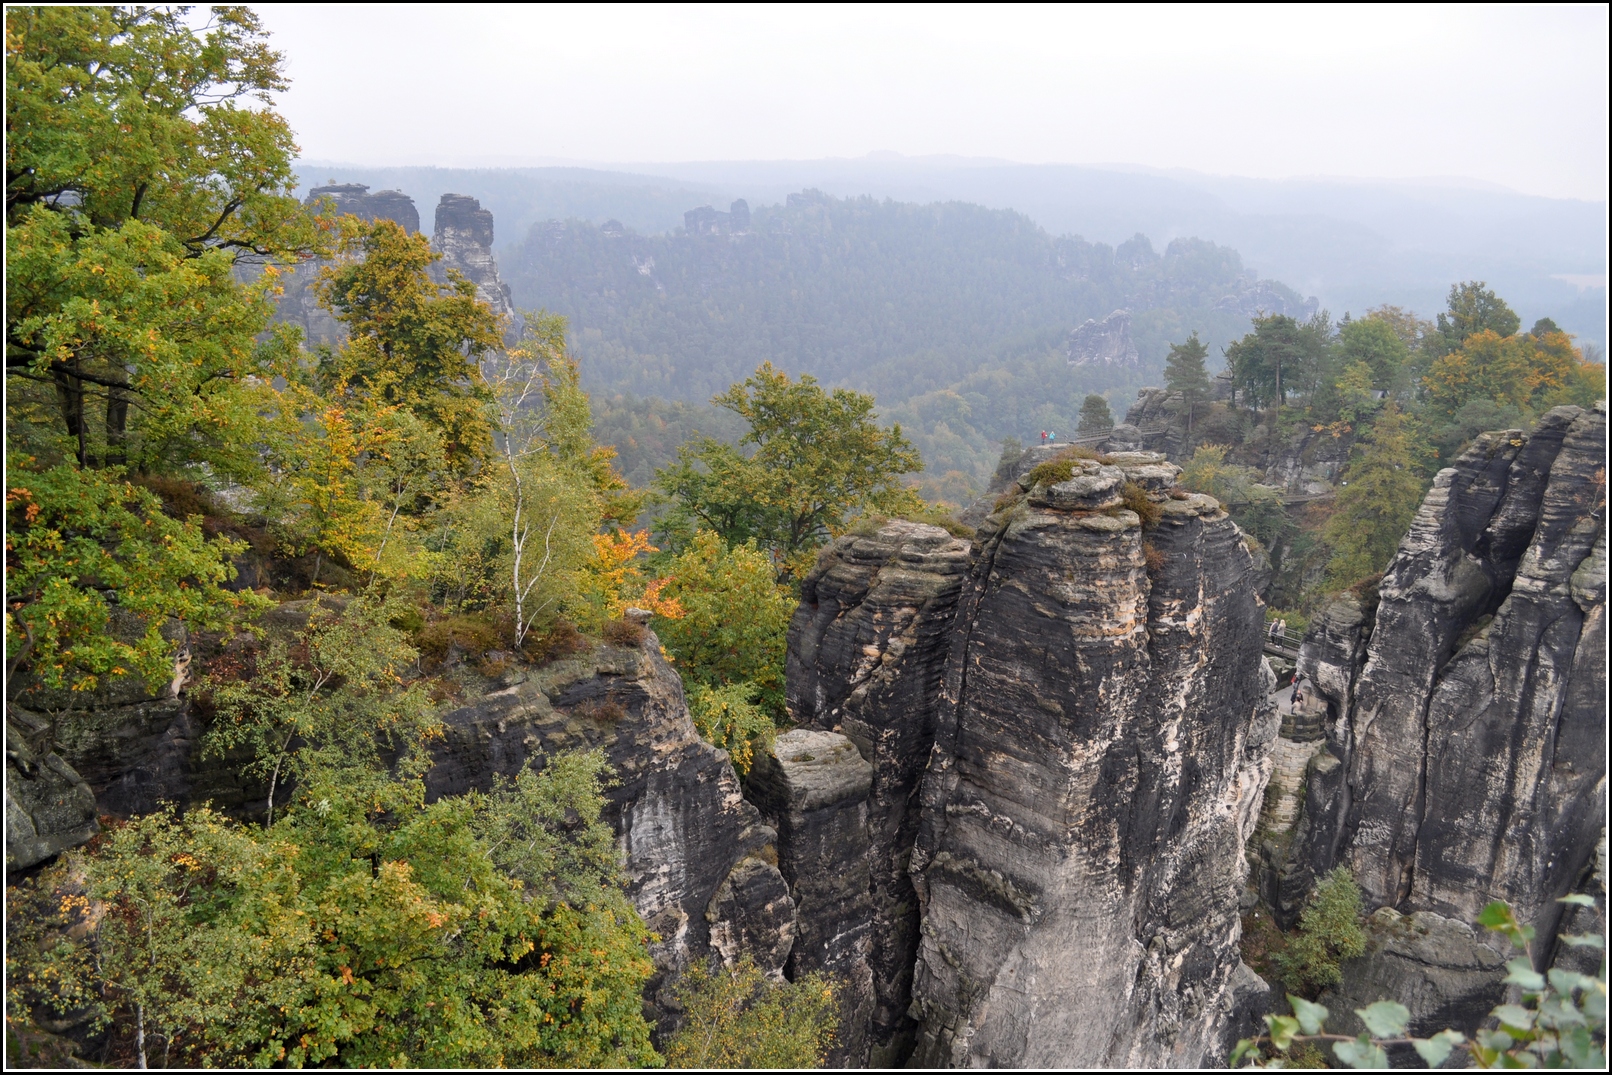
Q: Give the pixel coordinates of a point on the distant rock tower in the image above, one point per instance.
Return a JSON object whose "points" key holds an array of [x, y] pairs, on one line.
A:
{"points": [[356, 199], [1104, 343], [708, 221], [464, 237]]}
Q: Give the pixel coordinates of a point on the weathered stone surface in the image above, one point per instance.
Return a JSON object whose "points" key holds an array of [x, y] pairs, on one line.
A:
{"points": [[1444, 971], [1080, 856], [867, 653], [298, 304], [464, 237], [1466, 753], [1105, 343], [753, 914], [49, 808], [677, 807], [813, 786]]}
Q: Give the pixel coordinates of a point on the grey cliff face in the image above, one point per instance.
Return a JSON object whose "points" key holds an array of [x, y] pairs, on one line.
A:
{"points": [[814, 785], [1070, 745], [1081, 847], [1106, 342], [866, 658], [1466, 742], [699, 858], [464, 237], [298, 304]]}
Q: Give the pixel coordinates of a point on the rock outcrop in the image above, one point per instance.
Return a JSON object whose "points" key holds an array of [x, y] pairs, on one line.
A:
{"points": [[708, 221], [700, 860], [867, 655], [49, 808], [1094, 699], [298, 303], [1466, 739], [464, 237], [1104, 343], [814, 787]]}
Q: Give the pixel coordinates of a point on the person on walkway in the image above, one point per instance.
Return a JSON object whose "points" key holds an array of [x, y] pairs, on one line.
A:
{"points": [[1273, 628], [1043, 438]]}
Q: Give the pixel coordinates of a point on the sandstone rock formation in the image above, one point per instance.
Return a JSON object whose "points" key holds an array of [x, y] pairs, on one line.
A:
{"points": [[299, 305], [464, 237], [49, 808], [1106, 342], [814, 787], [699, 858], [1466, 738], [355, 198], [1094, 699], [867, 654]]}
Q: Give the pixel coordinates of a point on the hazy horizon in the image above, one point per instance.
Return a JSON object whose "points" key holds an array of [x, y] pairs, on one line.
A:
{"points": [[1379, 94]]}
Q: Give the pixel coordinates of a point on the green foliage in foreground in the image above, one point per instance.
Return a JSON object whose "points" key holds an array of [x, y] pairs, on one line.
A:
{"points": [[735, 1018], [1380, 492], [365, 928], [735, 619], [1559, 1020], [85, 548]]}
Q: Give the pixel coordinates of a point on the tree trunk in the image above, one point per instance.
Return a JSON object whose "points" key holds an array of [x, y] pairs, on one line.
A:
{"points": [[70, 396], [117, 421]]}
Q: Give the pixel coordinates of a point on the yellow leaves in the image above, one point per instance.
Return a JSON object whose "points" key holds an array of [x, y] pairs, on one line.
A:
{"points": [[614, 576]]}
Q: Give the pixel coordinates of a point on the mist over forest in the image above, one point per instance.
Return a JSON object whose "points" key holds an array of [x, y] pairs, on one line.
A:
{"points": [[946, 286]]}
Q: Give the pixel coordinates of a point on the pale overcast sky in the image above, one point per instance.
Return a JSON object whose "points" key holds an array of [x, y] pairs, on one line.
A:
{"points": [[1510, 95]]}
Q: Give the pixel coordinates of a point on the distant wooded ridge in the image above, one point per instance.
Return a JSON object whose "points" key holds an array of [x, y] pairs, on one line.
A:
{"points": [[1352, 243]]}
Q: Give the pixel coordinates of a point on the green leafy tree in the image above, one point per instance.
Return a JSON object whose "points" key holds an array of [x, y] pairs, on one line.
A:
{"points": [[727, 717], [1380, 492], [1208, 471], [412, 343], [1329, 931], [326, 698], [364, 928], [1095, 415], [138, 167], [1375, 342], [1185, 372], [550, 489], [735, 1018], [1259, 359], [1353, 393], [818, 461], [95, 572], [735, 618], [1474, 308]]}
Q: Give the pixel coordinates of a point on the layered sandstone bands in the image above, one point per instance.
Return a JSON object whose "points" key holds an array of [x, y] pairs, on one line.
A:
{"points": [[1093, 700]]}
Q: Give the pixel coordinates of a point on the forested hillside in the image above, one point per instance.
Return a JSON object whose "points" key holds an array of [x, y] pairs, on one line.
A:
{"points": [[953, 316]]}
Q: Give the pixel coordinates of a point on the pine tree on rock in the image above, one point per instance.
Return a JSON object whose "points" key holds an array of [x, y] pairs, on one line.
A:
{"points": [[1095, 415], [1184, 372]]}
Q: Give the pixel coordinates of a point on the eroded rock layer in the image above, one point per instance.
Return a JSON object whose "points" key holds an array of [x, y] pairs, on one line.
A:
{"points": [[1466, 747], [1068, 735]]}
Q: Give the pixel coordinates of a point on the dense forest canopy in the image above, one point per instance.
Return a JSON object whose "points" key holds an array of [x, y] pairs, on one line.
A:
{"points": [[953, 316]]}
